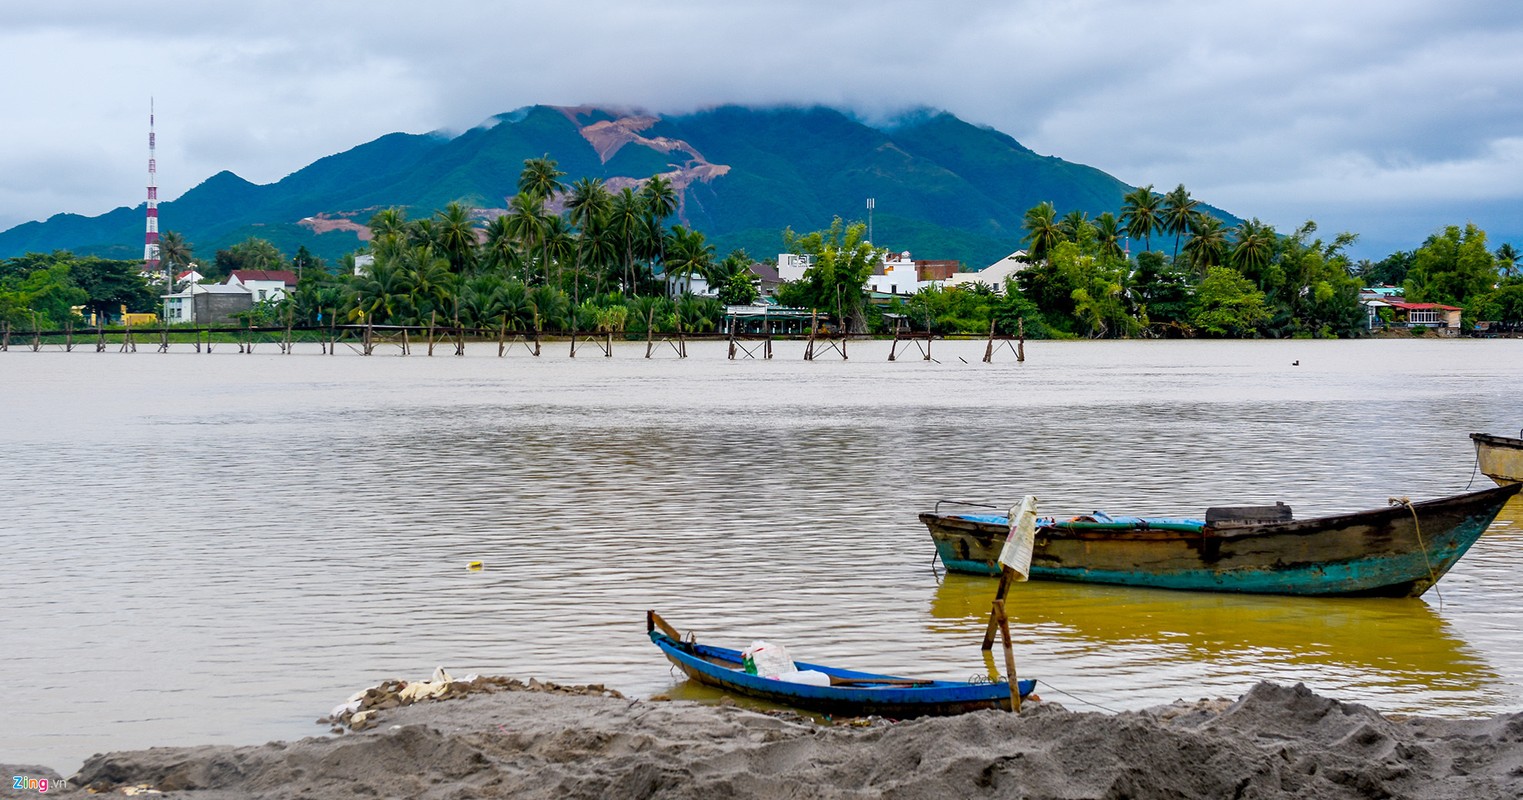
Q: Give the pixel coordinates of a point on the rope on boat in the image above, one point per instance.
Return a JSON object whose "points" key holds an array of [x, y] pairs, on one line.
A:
{"points": [[1432, 579], [1476, 465]]}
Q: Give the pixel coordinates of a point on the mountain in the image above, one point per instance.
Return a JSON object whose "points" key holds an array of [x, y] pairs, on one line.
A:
{"points": [[944, 189]]}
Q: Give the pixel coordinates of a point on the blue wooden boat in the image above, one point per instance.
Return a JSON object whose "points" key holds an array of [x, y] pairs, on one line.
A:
{"points": [[850, 694], [1397, 551]]}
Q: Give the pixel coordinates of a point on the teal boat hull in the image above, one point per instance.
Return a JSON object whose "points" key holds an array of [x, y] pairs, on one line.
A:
{"points": [[1397, 551]]}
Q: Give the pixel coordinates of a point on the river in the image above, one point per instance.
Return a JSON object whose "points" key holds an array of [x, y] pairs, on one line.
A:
{"points": [[218, 548]]}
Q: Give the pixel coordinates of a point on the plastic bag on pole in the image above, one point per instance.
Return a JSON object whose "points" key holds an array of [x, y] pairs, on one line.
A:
{"points": [[1016, 553]]}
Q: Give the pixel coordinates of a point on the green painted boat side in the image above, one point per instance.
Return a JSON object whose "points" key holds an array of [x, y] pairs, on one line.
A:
{"points": [[1397, 551]]}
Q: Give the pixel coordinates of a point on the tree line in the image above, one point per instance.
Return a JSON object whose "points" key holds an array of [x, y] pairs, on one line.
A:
{"points": [[588, 257]]}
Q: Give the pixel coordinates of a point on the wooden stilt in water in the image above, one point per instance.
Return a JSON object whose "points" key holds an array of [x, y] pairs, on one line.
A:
{"points": [[502, 338], [1010, 675], [406, 350], [608, 344], [5, 339], [433, 317], [989, 348], [814, 324], [68, 337], [1020, 342], [369, 344], [100, 335], [650, 331]]}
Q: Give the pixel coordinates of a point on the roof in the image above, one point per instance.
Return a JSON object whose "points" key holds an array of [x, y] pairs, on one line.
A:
{"points": [[1422, 306], [282, 275]]}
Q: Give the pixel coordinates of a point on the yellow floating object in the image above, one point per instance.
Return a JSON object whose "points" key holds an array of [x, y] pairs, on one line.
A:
{"points": [[474, 566]]}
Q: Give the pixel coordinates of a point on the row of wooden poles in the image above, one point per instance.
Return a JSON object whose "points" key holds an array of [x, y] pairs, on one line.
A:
{"points": [[370, 336]]}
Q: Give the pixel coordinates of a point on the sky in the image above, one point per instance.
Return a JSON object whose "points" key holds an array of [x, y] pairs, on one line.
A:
{"points": [[1388, 119]]}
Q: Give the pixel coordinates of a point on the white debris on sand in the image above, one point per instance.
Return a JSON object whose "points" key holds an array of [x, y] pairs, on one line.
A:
{"points": [[545, 741]]}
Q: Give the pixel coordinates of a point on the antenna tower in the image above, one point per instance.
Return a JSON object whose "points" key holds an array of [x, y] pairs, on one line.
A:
{"points": [[151, 232]]}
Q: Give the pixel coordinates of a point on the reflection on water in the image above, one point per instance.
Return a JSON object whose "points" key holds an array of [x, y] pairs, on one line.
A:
{"points": [[1398, 650], [220, 548]]}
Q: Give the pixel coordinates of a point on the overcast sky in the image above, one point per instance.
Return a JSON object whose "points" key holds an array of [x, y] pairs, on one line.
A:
{"points": [[1389, 119]]}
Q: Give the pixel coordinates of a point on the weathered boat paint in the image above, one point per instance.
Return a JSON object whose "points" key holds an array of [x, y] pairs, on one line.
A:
{"points": [[1385, 552], [1499, 458], [903, 698]]}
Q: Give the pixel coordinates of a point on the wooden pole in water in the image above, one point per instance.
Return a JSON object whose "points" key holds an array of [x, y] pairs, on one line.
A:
{"points": [[650, 331], [1020, 342], [989, 348], [1004, 635], [68, 337], [502, 337], [814, 323]]}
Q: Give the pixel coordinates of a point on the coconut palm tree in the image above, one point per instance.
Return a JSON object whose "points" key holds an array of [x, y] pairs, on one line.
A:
{"points": [[1140, 214], [589, 204], [1042, 229], [458, 237], [176, 252], [388, 232], [627, 219], [1208, 242], [690, 256], [1074, 223], [1252, 247], [1179, 210], [1507, 259], [1108, 236], [540, 180], [526, 220], [500, 253]]}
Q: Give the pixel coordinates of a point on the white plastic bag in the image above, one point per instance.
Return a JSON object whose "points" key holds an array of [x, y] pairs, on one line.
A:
{"points": [[771, 660], [1016, 553]]}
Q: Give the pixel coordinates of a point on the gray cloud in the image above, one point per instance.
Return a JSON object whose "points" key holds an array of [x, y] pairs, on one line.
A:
{"points": [[1388, 119]]}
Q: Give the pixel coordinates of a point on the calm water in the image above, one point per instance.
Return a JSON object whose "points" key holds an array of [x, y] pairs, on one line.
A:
{"points": [[219, 548]]}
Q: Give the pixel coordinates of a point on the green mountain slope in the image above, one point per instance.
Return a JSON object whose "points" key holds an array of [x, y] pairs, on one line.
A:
{"points": [[943, 188]]}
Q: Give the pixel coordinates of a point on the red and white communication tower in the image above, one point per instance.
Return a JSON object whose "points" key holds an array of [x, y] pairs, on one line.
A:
{"points": [[151, 237]]}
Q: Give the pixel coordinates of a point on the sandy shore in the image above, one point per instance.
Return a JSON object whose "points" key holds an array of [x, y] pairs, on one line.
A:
{"points": [[567, 742]]}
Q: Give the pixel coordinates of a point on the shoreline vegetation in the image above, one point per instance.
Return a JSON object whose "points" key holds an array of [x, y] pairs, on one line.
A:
{"points": [[581, 257], [508, 738]]}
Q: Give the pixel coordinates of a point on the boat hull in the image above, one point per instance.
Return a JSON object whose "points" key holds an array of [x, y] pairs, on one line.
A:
{"points": [[1398, 551], [1499, 458], [721, 667]]}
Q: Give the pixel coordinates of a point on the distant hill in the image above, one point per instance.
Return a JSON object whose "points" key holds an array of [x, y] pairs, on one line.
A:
{"points": [[944, 189]]}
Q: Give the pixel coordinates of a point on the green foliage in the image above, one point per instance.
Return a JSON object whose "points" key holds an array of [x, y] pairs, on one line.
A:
{"points": [[1228, 304], [843, 261], [1451, 267], [42, 289]]}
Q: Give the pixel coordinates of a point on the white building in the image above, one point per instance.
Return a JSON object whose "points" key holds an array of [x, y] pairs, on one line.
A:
{"points": [[898, 275], [180, 307], [791, 266], [270, 285], [994, 275]]}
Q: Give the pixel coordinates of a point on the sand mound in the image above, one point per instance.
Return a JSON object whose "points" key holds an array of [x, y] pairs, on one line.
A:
{"points": [[521, 742]]}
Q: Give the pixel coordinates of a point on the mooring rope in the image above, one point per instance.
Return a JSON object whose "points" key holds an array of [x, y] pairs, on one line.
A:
{"points": [[1076, 697], [1432, 578]]}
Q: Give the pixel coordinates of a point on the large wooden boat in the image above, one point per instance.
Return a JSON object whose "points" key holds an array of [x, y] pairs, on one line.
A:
{"points": [[847, 693], [1397, 551], [1500, 458]]}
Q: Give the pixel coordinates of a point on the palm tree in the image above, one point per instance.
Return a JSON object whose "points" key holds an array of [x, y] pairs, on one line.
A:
{"points": [[1252, 248], [1073, 225], [457, 237], [177, 255], [691, 255], [525, 221], [1208, 242], [626, 221], [1507, 259], [559, 242], [589, 204], [501, 252], [1139, 214], [388, 230], [540, 180], [1179, 210], [660, 201], [1042, 229], [1108, 236]]}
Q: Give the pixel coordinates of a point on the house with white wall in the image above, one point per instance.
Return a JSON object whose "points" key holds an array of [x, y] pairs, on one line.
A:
{"points": [[270, 285]]}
